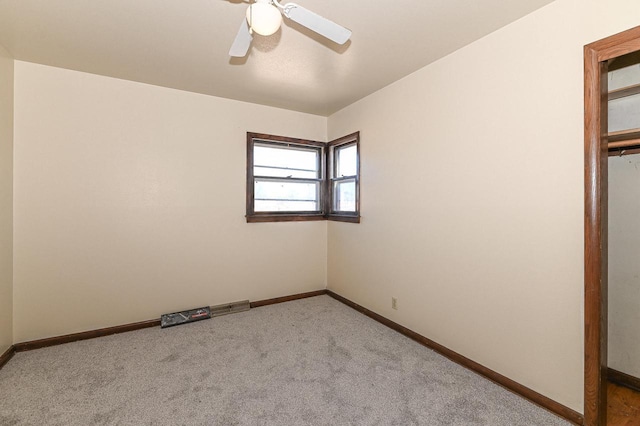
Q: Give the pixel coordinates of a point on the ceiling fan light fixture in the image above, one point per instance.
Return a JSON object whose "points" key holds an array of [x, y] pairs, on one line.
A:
{"points": [[264, 18]]}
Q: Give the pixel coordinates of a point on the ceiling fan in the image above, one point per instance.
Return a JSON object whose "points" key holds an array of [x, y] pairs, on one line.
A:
{"points": [[265, 16]]}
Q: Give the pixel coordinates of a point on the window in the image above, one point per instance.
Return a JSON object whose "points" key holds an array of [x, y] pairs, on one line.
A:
{"points": [[343, 158], [288, 179], [285, 178]]}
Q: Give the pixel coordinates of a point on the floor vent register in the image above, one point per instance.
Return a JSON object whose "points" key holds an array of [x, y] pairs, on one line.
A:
{"points": [[198, 314]]}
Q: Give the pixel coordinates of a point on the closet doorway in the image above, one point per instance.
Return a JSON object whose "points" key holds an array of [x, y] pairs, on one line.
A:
{"points": [[598, 142]]}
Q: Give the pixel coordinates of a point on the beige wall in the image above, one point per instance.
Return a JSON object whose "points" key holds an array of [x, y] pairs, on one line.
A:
{"points": [[472, 197], [6, 200], [130, 202], [624, 268]]}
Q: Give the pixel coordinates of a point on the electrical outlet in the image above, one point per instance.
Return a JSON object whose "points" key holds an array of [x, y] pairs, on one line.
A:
{"points": [[394, 303]]}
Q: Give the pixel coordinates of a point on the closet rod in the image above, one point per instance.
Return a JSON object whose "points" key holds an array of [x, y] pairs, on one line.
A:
{"points": [[621, 152]]}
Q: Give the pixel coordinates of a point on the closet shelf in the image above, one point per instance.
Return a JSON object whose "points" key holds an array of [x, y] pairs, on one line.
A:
{"points": [[624, 92], [623, 135]]}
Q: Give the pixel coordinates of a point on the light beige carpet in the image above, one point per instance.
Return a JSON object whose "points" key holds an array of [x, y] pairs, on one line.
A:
{"points": [[308, 362]]}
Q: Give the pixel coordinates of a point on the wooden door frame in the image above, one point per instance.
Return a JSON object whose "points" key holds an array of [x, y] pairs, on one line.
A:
{"points": [[596, 57]]}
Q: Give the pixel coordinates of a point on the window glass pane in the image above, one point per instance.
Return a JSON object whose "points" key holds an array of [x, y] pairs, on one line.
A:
{"points": [[286, 196], [346, 161], [285, 161], [345, 196], [285, 206]]}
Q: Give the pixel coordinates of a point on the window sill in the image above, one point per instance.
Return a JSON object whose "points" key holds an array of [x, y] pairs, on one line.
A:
{"points": [[284, 218], [344, 218], [262, 218]]}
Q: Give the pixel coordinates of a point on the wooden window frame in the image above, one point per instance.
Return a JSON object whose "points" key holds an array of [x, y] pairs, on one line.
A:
{"points": [[342, 216], [252, 215], [326, 179]]}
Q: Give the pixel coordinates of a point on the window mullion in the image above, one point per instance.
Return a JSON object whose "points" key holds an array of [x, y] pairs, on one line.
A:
{"points": [[284, 180]]}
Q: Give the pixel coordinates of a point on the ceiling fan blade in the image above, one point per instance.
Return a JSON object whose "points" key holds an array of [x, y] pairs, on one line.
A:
{"points": [[241, 44], [317, 23]]}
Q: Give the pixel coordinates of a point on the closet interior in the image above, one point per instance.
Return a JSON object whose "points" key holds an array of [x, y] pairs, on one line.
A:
{"points": [[624, 240]]}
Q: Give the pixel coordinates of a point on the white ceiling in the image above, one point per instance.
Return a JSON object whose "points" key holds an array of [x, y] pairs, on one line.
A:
{"points": [[184, 44]]}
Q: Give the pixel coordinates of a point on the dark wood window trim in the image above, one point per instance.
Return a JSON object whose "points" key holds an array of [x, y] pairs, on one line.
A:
{"points": [[326, 196], [253, 216], [353, 217]]}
